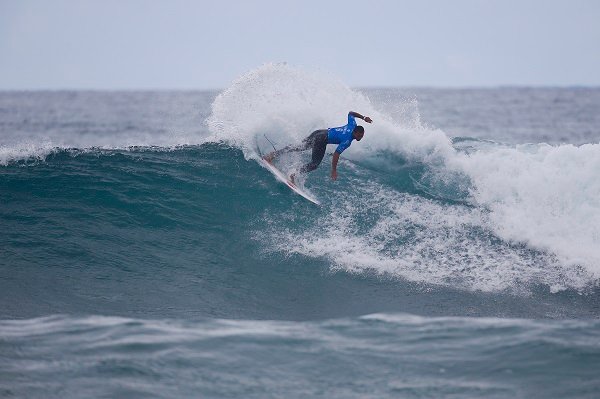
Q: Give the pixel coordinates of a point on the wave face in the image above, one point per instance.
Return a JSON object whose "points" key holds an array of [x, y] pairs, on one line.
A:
{"points": [[150, 209]]}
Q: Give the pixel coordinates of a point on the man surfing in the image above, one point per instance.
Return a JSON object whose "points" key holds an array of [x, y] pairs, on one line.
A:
{"points": [[318, 141]]}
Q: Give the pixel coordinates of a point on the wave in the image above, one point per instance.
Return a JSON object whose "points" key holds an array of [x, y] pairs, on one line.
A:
{"points": [[411, 202], [370, 222], [383, 354]]}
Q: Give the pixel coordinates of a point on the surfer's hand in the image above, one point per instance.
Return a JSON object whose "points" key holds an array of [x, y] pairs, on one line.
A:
{"points": [[368, 120], [334, 174]]}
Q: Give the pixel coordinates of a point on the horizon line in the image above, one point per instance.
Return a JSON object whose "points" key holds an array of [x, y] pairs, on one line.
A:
{"points": [[358, 87]]}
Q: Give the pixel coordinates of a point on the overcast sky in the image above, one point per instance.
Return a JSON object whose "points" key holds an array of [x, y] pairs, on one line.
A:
{"points": [[105, 44]]}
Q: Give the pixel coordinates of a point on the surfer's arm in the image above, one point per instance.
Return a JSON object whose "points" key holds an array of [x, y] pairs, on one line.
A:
{"points": [[334, 162], [357, 115]]}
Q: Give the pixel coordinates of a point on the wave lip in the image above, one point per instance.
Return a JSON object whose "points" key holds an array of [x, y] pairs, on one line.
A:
{"points": [[25, 151]]}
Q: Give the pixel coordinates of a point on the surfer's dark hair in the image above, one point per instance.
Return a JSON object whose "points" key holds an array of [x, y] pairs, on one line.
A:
{"points": [[359, 129]]}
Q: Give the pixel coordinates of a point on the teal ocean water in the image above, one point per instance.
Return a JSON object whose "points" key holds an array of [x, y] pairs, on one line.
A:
{"points": [[145, 253]]}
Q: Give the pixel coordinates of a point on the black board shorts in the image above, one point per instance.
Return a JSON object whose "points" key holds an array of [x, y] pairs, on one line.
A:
{"points": [[318, 141]]}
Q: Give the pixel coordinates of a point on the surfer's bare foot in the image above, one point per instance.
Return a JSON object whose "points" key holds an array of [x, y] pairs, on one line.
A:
{"points": [[269, 157]]}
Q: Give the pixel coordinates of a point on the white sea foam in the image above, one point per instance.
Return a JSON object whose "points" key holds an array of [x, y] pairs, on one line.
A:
{"points": [[28, 149], [288, 103], [545, 196], [537, 209], [377, 230]]}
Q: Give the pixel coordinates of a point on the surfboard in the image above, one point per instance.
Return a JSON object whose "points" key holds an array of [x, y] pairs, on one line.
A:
{"points": [[279, 175]]}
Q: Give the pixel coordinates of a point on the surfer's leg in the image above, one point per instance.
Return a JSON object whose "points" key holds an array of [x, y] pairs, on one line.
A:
{"points": [[318, 152], [305, 145], [290, 148]]}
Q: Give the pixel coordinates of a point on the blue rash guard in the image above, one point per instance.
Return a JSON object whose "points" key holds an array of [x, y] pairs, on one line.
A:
{"points": [[342, 135]]}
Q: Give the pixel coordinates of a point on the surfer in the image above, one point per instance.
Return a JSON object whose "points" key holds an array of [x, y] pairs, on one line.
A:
{"points": [[318, 141]]}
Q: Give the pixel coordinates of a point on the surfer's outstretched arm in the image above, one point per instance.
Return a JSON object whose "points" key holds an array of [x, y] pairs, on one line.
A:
{"points": [[334, 162], [357, 115]]}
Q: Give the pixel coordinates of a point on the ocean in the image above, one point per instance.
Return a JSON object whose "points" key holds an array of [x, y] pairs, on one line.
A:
{"points": [[144, 252]]}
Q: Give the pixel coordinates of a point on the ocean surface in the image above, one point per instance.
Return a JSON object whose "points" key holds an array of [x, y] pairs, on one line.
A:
{"points": [[145, 253]]}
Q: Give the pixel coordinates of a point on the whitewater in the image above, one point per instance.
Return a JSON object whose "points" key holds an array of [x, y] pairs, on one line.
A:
{"points": [[145, 252], [545, 198]]}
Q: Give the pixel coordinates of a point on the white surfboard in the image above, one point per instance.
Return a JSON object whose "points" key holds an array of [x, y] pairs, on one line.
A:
{"points": [[284, 179]]}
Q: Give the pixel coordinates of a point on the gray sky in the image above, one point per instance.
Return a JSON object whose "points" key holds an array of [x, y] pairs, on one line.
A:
{"points": [[199, 44]]}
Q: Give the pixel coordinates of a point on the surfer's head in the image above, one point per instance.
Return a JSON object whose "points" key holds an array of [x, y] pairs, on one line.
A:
{"points": [[358, 133]]}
